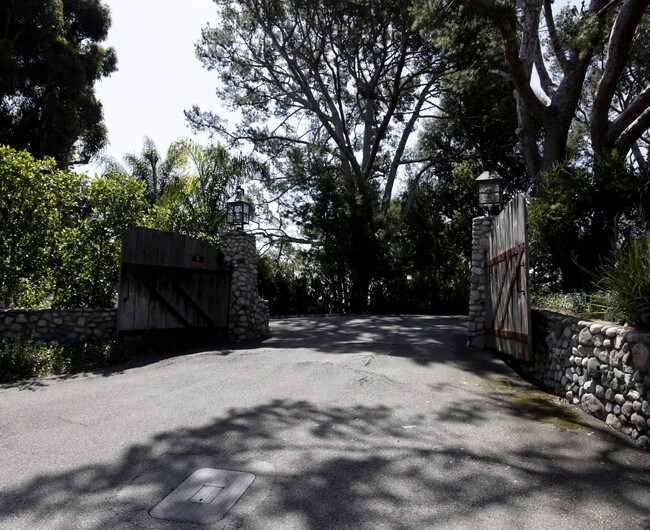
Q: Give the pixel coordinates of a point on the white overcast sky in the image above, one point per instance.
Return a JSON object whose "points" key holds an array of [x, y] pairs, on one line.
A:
{"points": [[158, 73]]}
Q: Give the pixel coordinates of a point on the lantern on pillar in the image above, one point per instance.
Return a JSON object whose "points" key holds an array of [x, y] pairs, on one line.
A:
{"points": [[490, 190], [238, 210]]}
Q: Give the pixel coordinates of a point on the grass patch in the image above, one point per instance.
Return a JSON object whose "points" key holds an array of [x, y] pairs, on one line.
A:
{"points": [[543, 407]]}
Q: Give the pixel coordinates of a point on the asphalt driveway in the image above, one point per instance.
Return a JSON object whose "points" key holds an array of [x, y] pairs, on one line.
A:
{"points": [[346, 422]]}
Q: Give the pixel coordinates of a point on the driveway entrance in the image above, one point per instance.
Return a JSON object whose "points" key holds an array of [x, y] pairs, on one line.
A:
{"points": [[346, 422]]}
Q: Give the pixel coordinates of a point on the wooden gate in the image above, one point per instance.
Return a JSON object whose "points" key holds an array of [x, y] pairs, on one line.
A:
{"points": [[170, 282], [507, 296]]}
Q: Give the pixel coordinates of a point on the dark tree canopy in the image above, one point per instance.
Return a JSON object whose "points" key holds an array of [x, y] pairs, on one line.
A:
{"points": [[476, 119], [50, 58]]}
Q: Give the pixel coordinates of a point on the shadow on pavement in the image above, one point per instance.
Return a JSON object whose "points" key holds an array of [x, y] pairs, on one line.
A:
{"points": [[352, 468], [424, 339]]}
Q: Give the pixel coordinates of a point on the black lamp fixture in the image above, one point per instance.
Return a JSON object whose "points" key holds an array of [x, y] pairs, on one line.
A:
{"points": [[238, 210], [490, 190]]}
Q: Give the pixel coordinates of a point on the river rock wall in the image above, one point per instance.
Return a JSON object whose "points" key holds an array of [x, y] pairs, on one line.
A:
{"points": [[602, 367], [248, 313], [60, 325]]}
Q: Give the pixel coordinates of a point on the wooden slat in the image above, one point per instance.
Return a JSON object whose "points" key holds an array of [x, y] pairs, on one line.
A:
{"points": [[162, 288], [507, 306]]}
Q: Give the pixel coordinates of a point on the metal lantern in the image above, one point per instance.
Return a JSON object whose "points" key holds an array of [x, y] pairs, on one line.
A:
{"points": [[490, 189], [238, 210]]}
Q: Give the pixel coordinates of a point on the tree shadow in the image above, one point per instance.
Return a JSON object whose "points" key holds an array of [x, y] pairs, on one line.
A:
{"points": [[31, 385], [353, 467], [426, 340]]}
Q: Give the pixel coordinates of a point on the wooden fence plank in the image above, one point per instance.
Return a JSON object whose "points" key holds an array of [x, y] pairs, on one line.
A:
{"points": [[170, 281], [508, 298]]}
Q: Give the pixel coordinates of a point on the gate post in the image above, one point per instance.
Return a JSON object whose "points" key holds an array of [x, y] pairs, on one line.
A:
{"points": [[481, 227], [248, 314]]}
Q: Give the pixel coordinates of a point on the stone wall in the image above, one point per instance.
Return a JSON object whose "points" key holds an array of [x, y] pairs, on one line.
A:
{"points": [[248, 314], [61, 325], [602, 367], [476, 323]]}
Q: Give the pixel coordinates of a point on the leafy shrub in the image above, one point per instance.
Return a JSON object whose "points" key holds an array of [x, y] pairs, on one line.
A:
{"points": [[23, 358], [36, 200], [626, 284], [576, 303]]}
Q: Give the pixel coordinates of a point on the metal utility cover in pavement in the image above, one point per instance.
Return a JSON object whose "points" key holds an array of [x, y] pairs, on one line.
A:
{"points": [[204, 497]]}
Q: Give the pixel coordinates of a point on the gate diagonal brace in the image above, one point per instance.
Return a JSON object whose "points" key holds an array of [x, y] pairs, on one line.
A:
{"points": [[159, 296], [513, 280], [517, 252], [186, 296]]}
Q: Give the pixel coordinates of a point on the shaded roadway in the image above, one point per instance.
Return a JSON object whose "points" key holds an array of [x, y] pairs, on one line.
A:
{"points": [[347, 422]]}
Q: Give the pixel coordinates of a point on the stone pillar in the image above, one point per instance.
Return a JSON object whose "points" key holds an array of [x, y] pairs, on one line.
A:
{"points": [[476, 322], [248, 314]]}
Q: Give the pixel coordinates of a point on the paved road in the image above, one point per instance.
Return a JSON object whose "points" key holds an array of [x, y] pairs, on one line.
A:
{"points": [[374, 422]]}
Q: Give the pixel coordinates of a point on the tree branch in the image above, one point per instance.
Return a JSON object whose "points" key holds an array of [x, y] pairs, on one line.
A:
{"points": [[632, 112], [618, 53], [278, 234], [632, 133], [547, 84], [558, 52], [520, 76]]}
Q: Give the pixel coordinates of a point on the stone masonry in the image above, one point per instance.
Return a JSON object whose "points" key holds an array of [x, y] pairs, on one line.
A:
{"points": [[476, 323], [602, 367], [248, 314], [60, 325]]}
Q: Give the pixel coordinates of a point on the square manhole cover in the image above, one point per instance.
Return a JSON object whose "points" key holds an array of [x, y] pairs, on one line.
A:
{"points": [[204, 497]]}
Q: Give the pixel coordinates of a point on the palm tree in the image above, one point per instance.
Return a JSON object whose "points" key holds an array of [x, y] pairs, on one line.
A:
{"points": [[154, 170], [194, 202]]}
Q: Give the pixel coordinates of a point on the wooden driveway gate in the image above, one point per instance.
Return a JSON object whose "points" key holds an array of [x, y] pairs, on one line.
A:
{"points": [[171, 282], [507, 297]]}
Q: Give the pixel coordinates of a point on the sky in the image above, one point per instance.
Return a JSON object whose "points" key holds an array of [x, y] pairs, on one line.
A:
{"points": [[158, 73]]}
